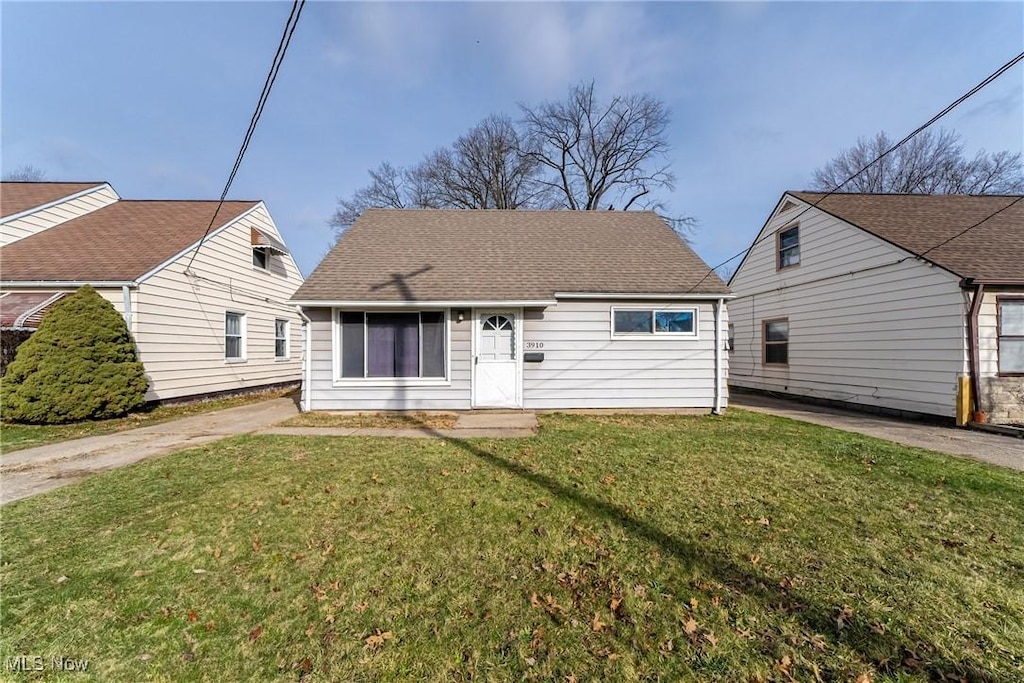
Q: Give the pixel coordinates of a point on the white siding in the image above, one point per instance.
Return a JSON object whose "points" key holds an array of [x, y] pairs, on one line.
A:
{"points": [[37, 221], [584, 367], [179, 318], [326, 394], [868, 323]]}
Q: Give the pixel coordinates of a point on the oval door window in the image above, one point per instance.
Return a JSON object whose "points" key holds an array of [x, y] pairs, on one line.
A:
{"points": [[497, 338]]}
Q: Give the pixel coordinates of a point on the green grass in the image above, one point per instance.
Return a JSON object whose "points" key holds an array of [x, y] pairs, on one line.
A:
{"points": [[14, 436], [738, 548], [380, 420]]}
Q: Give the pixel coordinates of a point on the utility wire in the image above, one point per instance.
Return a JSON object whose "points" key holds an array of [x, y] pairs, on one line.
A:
{"points": [[268, 84], [953, 105], [966, 230]]}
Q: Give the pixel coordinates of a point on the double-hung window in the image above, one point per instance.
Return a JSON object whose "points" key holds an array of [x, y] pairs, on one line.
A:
{"points": [[392, 344], [280, 339], [234, 336], [654, 321], [775, 334], [789, 247], [1011, 336]]}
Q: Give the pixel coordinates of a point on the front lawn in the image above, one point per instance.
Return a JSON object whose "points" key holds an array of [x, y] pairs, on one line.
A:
{"points": [[739, 548]]}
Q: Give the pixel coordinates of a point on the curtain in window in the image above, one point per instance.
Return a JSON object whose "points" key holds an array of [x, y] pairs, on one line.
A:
{"points": [[392, 341]]}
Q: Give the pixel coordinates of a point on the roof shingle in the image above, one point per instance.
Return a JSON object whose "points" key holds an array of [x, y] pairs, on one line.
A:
{"points": [[16, 197], [493, 255], [120, 242], [992, 251]]}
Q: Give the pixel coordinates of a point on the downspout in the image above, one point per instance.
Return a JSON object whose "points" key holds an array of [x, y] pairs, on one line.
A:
{"points": [[717, 408], [974, 365], [126, 292], [307, 348]]}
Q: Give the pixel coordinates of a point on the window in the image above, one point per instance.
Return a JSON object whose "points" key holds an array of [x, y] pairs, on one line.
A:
{"points": [[789, 247], [261, 259], [644, 321], [234, 336], [730, 341], [775, 334], [392, 344], [1011, 336], [281, 339]]}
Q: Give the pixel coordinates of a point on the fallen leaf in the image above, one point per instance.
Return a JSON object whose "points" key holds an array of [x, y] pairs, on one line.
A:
{"points": [[710, 637], [361, 607], [865, 678], [764, 521], [615, 606], [534, 600], [693, 603], [377, 640], [257, 544], [192, 616], [62, 579], [209, 626], [145, 656], [255, 633], [596, 624], [878, 628], [691, 626], [844, 617], [199, 571], [141, 572], [608, 479], [530, 661], [330, 618]]}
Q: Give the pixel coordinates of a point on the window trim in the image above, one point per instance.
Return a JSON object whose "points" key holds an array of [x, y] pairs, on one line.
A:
{"points": [[778, 247], [1000, 300], [654, 334], [764, 342], [287, 339], [339, 381], [243, 337]]}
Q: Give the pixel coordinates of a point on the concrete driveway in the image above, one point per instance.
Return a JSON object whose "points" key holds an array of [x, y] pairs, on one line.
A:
{"points": [[30, 471], [1006, 451]]}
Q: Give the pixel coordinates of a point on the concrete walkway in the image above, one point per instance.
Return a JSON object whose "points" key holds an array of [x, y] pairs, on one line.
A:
{"points": [[478, 425], [996, 449], [35, 470]]}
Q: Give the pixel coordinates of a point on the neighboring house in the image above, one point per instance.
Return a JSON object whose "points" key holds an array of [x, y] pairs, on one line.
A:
{"points": [[884, 301], [459, 309], [220, 323]]}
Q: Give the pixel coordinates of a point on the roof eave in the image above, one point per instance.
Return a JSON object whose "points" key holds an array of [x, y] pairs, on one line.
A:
{"points": [[43, 284], [452, 303], [645, 295]]}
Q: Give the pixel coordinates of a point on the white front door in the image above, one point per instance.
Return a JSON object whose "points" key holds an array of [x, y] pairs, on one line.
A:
{"points": [[496, 365]]}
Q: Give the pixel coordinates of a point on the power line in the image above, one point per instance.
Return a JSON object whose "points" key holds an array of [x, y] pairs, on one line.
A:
{"points": [[966, 230], [960, 100], [268, 84]]}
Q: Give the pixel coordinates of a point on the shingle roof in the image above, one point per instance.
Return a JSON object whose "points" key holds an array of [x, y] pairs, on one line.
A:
{"points": [[493, 255], [119, 242], [25, 310], [16, 197], [992, 251]]}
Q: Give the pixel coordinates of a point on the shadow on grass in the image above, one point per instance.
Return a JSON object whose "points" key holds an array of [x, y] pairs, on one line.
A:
{"points": [[911, 654]]}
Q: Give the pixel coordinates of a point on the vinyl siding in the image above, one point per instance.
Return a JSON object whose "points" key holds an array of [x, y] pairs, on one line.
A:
{"points": [[868, 323], [179, 318], [584, 367], [327, 394], [40, 220]]}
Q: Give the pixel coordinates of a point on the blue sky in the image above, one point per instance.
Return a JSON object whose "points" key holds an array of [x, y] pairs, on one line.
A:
{"points": [[155, 97]]}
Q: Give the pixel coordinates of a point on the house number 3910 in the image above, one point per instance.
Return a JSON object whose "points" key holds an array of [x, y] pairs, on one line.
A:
{"points": [[534, 345]]}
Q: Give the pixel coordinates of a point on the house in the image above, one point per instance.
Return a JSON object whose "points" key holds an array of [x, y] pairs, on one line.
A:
{"points": [[885, 302], [205, 322], [460, 309]]}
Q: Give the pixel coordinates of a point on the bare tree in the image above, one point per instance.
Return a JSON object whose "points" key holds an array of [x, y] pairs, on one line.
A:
{"points": [[930, 163], [26, 173], [484, 169], [390, 187], [597, 153]]}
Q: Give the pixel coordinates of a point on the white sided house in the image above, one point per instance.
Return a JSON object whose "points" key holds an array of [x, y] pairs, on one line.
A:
{"points": [[884, 302], [460, 309], [207, 321]]}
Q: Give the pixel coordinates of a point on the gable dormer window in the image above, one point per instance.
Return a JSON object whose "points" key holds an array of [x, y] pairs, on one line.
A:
{"points": [[264, 247], [788, 247]]}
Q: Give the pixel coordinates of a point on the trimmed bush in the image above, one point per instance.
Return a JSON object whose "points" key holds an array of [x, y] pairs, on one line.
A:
{"points": [[80, 364]]}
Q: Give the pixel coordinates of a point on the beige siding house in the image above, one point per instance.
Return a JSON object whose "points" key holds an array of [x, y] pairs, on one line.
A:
{"points": [[441, 309], [884, 302], [207, 321]]}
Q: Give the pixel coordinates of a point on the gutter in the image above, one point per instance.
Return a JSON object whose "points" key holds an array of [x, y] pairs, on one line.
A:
{"points": [[51, 284], [717, 406], [126, 292], [307, 365], [974, 364]]}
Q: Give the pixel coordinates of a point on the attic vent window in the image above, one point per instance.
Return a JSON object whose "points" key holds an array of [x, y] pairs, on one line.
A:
{"points": [[260, 258], [789, 247]]}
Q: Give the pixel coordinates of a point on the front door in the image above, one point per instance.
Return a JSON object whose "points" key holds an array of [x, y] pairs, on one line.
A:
{"points": [[496, 365]]}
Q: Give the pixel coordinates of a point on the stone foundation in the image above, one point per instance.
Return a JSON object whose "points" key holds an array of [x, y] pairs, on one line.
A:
{"points": [[1003, 399]]}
